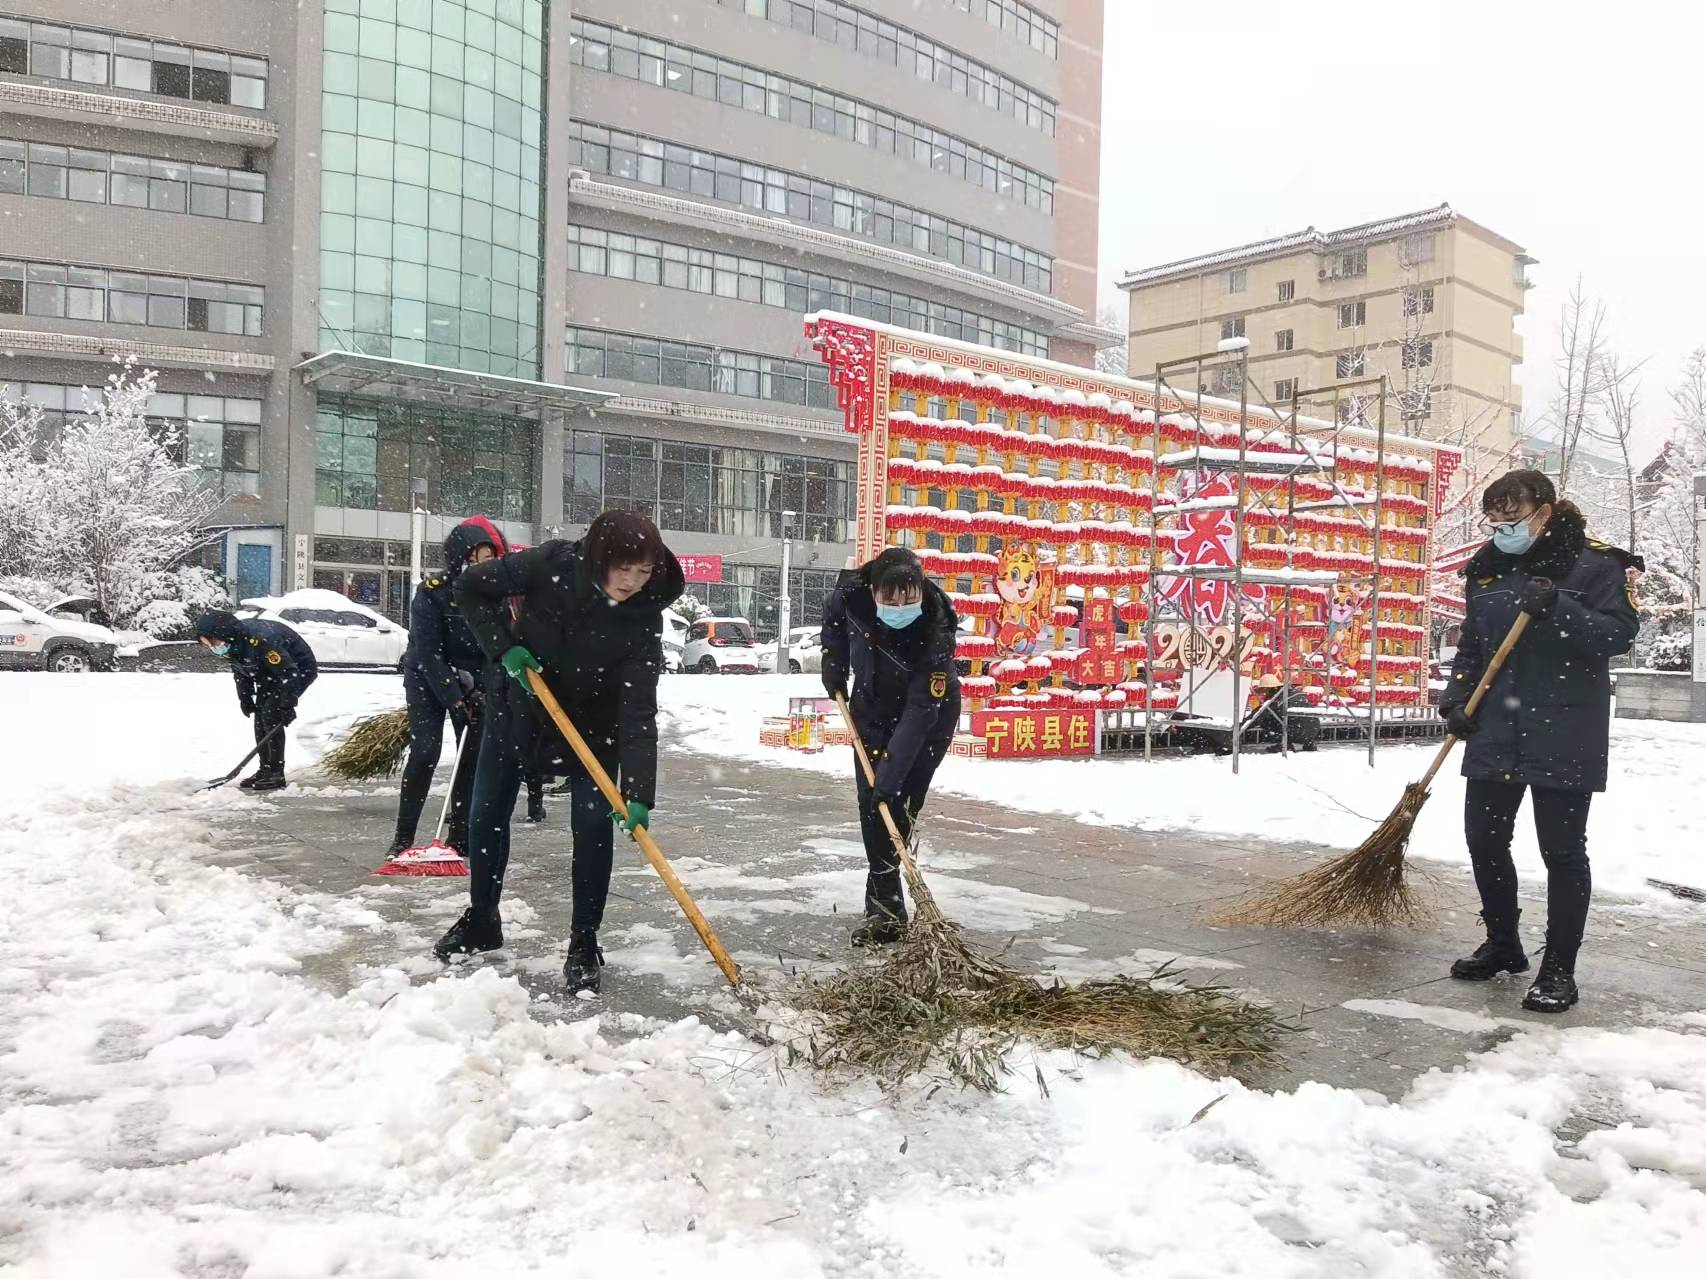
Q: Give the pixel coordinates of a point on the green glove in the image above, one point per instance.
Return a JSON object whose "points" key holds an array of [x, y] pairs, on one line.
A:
{"points": [[518, 661], [639, 817]]}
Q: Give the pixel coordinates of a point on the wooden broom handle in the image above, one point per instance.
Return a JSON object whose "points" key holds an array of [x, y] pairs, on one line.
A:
{"points": [[871, 780], [641, 835], [1474, 702]]}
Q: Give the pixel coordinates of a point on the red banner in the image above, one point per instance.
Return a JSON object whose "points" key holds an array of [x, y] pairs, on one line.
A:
{"points": [[1033, 734], [702, 568]]}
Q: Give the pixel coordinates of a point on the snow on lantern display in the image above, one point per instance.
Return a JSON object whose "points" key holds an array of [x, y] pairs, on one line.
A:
{"points": [[1050, 505]]}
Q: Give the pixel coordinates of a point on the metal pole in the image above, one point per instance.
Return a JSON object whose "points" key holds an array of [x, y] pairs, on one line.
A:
{"points": [[783, 609], [1152, 589], [1238, 563], [1290, 562], [1374, 598]]}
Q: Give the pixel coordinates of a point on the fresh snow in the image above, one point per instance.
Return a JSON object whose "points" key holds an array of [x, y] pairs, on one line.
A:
{"points": [[193, 1082]]}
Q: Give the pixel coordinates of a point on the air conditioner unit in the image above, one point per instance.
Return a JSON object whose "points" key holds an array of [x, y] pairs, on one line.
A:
{"points": [[1322, 274]]}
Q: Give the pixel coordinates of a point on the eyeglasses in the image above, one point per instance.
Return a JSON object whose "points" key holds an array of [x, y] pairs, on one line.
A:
{"points": [[1494, 528]]}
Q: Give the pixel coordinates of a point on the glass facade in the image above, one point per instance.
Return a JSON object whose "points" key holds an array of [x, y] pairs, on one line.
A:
{"points": [[704, 488], [751, 591], [633, 357], [140, 182], [431, 181], [83, 55], [368, 451]]}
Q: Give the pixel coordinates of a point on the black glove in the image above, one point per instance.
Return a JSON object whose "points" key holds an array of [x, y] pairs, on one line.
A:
{"points": [[286, 714], [1457, 723], [879, 798], [1539, 596], [246, 705], [834, 685]]}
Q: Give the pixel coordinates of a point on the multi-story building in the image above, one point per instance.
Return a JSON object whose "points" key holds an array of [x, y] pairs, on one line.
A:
{"points": [[532, 258], [1429, 299]]}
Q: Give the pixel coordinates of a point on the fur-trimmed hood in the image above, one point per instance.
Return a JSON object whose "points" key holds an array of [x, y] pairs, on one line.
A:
{"points": [[1552, 556]]}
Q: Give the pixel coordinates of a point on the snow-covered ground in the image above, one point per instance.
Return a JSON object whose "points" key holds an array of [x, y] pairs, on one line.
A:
{"points": [[178, 1097], [1644, 826]]}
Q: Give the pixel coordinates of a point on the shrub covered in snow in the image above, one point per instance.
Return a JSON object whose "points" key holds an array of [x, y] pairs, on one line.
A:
{"points": [[164, 620]]}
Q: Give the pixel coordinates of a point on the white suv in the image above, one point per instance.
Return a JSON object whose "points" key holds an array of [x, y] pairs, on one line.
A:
{"points": [[716, 644], [32, 640]]}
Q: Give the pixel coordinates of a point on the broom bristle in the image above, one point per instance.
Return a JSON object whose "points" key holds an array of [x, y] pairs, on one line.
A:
{"points": [[423, 868], [374, 747], [1364, 888]]}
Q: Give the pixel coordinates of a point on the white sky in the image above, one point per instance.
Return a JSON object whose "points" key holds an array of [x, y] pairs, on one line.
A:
{"points": [[1577, 130]]}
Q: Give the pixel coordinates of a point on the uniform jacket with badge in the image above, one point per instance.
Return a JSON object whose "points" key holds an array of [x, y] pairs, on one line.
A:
{"points": [[601, 659], [905, 686], [1546, 719], [441, 643], [271, 663]]}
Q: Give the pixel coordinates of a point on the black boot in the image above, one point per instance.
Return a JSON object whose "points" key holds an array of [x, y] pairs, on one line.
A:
{"points": [[580, 968], [473, 934], [457, 838], [251, 781], [535, 806], [879, 930], [1554, 989], [266, 779], [1500, 953], [885, 910], [400, 843]]}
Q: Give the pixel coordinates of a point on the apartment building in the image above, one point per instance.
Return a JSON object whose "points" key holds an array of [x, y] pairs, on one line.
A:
{"points": [[532, 258], [1429, 299]]}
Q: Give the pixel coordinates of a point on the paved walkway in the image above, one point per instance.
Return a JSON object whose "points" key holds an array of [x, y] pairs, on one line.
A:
{"points": [[772, 856]]}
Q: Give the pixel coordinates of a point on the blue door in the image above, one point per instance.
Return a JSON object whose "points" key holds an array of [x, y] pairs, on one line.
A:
{"points": [[254, 570]]}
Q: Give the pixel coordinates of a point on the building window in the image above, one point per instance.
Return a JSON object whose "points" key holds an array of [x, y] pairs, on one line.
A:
{"points": [[616, 255], [733, 84], [86, 56], [1419, 301], [1414, 250], [698, 488], [1283, 340], [1351, 262], [1287, 290], [1237, 280], [778, 193], [1226, 380], [1285, 388], [873, 37], [1418, 354], [1233, 328], [1417, 404], [1350, 364], [368, 452], [653, 361], [62, 291], [1352, 314]]}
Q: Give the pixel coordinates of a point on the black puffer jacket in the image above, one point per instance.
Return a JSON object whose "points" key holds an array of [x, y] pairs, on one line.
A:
{"points": [[906, 688], [270, 662], [440, 641], [601, 659], [1546, 719]]}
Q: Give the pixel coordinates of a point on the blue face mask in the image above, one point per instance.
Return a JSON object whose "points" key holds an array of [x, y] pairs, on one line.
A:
{"points": [[221, 649], [1513, 539], [898, 617]]}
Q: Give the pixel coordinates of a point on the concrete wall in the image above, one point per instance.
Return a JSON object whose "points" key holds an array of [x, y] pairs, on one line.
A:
{"points": [[1671, 695]]}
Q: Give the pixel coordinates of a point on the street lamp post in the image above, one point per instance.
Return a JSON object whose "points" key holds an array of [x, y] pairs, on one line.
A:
{"points": [[784, 620], [417, 533]]}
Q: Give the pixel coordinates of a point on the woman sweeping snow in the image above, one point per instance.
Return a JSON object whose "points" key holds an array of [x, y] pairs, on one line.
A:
{"points": [[590, 623]]}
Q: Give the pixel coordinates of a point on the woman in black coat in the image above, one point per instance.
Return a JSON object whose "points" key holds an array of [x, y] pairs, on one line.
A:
{"points": [[1545, 723], [441, 674], [591, 622]]}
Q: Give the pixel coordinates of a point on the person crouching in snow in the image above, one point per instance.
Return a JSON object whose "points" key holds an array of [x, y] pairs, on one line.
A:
{"points": [[441, 673], [272, 665], [591, 623], [893, 630], [1544, 725]]}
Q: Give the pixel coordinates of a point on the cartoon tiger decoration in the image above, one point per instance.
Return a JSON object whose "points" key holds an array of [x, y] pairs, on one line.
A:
{"points": [[1025, 583]]}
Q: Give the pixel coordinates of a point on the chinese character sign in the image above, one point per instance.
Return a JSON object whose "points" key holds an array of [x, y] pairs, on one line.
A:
{"points": [[1036, 734], [701, 568]]}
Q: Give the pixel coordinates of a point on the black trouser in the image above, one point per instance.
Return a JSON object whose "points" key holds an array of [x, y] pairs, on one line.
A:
{"points": [[497, 781], [1560, 823], [426, 745], [883, 895], [274, 708]]}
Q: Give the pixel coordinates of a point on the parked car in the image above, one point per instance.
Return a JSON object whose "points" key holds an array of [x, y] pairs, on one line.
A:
{"points": [[805, 651], [338, 630], [675, 628], [31, 639], [717, 644]]}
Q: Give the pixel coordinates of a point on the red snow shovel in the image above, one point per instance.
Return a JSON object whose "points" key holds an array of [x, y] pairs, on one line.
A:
{"points": [[436, 858]]}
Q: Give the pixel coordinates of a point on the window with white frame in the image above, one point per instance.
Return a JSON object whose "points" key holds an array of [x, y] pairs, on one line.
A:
{"points": [[1287, 290], [1285, 388], [1419, 301], [1233, 328], [1418, 354], [1350, 364], [1283, 340], [1414, 250], [1353, 314], [1237, 280]]}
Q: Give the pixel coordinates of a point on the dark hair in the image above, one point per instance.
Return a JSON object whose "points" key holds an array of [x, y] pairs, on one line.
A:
{"points": [[896, 572], [1517, 488], [619, 538]]}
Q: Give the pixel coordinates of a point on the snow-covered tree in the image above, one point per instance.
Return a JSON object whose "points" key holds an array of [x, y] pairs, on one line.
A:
{"points": [[1667, 506], [21, 513], [692, 608], [1114, 359], [117, 505]]}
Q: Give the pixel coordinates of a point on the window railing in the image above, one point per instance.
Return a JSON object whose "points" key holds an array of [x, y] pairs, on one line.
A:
{"points": [[746, 88], [632, 357], [1024, 23], [705, 174], [85, 56], [61, 290], [89, 176], [618, 256], [857, 31]]}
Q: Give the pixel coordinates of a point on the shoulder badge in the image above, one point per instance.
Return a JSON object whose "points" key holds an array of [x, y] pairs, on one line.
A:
{"points": [[432, 583], [254, 641], [938, 684], [274, 657], [1485, 581]]}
